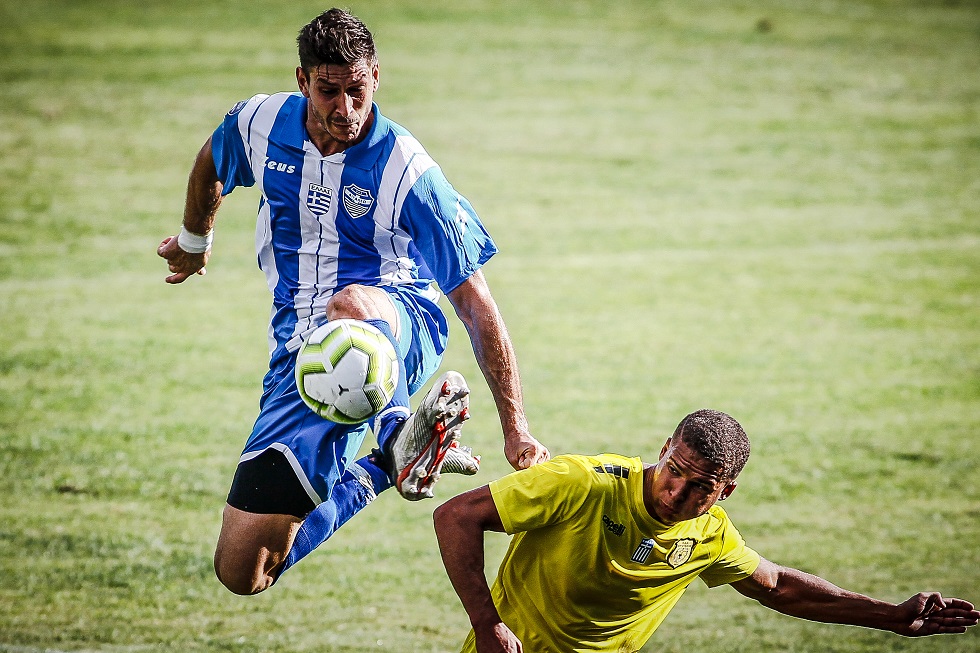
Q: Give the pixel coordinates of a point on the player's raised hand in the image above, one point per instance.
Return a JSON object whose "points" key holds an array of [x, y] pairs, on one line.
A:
{"points": [[524, 450], [928, 613], [182, 264]]}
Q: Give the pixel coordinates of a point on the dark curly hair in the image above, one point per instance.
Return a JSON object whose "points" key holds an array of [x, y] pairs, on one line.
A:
{"points": [[335, 37], [718, 438]]}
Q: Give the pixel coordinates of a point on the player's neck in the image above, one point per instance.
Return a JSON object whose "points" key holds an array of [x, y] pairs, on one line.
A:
{"points": [[648, 501], [327, 144]]}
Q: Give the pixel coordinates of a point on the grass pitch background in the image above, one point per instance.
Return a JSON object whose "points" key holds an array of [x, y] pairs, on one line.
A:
{"points": [[768, 208]]}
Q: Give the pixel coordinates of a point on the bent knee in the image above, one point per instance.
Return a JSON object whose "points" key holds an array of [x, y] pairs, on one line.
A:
{"points": [[251, 549], [360, 303], [242, 579]]}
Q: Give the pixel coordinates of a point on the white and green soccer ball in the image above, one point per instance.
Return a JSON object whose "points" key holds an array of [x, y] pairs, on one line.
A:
{"points": [[346, 371]]}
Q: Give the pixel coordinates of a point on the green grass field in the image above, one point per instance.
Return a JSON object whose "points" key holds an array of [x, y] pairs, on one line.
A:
{"points": [[768, 208]]}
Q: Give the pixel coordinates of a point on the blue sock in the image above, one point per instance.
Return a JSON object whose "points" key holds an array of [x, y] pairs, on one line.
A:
{"points": [[351, 495], [379, 477], [397, 410]]}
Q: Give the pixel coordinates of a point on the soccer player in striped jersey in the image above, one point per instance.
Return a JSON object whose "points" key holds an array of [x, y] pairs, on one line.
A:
{"points": [[604, 546], [355, 221]]}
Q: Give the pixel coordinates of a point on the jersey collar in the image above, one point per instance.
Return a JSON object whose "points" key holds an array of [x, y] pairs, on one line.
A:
{"points": [[366, 153]]}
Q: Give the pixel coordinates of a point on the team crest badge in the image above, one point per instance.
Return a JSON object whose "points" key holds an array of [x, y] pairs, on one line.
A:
{"points": [[357, 201], [681, 552], [318, 200]]}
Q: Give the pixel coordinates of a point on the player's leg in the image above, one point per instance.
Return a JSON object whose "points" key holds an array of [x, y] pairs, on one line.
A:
{"points": [[266, 505], [358, 487], [294, 462], [414, 446], [270, 521], [255, 548], [251, 547]]}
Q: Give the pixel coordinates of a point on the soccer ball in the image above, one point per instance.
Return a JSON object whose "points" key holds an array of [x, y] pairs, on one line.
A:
{"points": [[346, 371]]}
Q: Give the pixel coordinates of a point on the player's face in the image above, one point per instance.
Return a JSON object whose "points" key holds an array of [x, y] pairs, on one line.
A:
{"points": [[339, 108], [683, 485]]}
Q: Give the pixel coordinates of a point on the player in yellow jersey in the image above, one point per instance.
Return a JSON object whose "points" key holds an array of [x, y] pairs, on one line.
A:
{"points": [[605, 545]]}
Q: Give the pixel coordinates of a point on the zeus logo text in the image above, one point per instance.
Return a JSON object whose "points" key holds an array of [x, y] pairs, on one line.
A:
{"points": [[280, 167]]}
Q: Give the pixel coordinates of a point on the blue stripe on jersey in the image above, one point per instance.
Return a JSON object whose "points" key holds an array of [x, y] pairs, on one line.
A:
{"points": [[228, 151], [355, 224], [453, 246]]}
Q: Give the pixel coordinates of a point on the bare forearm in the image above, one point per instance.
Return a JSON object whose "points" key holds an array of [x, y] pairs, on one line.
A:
{"points": [[493, 350], [461, 545], [810, 597], [203, 193], [806, 596], [495, 355]]}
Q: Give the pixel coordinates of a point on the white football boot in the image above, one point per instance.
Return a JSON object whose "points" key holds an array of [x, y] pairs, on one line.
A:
{"points": [[460, 459], [423, 444]]}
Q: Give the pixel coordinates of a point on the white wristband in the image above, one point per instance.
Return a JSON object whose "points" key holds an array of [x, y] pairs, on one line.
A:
{"points": [[194, 243]]}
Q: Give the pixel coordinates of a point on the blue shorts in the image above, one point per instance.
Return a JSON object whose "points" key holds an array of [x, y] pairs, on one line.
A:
{"points": [[318, 450]]}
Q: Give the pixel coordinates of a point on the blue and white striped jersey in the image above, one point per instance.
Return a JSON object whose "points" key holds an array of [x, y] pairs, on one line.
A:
{"points": [[379, 213]]}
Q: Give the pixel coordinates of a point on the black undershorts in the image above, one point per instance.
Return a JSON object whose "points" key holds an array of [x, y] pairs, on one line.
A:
{"points": [[268, 485]]}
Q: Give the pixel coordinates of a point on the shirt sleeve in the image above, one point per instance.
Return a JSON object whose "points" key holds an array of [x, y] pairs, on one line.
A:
{"points": [[446, 230], [736, 562], [541, 495], [231, 157]]}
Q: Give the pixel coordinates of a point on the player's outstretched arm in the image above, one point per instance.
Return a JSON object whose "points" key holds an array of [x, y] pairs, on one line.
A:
{"points": [[200, 208], [806, 596], [494, 352], [460, 524]]}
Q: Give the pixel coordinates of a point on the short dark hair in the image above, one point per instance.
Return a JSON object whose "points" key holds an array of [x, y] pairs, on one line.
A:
{"points": [[335, 37], [718, 438]]}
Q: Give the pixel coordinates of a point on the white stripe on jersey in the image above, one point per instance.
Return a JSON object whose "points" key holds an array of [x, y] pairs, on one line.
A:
{"points": [[254, 124], [244, 116], [267, 261], [407, 163], [319, 253]]}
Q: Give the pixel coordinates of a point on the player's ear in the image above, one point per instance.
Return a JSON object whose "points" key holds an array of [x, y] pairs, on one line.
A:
{"points": [[727, 492], [663, 452], [303, 81], [376, 74]]}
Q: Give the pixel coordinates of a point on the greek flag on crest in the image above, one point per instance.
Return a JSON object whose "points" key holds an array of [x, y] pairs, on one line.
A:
{"points": [[318, 200], [643, 551]]}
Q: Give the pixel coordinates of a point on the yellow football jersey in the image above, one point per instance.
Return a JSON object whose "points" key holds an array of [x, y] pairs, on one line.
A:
{"points": [[589, 569]]}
